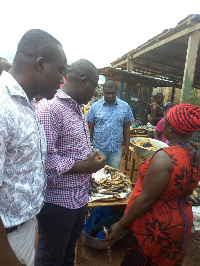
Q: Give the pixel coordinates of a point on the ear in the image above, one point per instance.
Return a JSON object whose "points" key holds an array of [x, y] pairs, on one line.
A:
{"points": [[170, 129], [84, 81], [39, 63]]}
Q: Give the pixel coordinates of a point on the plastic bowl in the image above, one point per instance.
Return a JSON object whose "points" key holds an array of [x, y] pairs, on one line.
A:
{"points": [[144, 152]]}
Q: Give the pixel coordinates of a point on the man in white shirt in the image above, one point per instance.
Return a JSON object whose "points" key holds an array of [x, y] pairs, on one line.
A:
{"points": [[37, 69]]}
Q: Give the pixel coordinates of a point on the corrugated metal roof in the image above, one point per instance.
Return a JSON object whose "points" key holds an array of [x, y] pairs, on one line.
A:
{"points": [[119, 75], [164, 55]]}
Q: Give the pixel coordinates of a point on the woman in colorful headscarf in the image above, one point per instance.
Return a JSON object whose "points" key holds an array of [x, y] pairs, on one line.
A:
{"points": [[159, 214]]}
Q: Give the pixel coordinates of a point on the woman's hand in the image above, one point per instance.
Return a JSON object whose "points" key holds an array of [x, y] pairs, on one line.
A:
{"points": [[114, 232]]}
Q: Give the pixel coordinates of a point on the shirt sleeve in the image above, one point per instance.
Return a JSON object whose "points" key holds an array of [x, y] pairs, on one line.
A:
{"points": [[4, 138], [90, 114], [159, 126], [129, 114], [52, 123]]}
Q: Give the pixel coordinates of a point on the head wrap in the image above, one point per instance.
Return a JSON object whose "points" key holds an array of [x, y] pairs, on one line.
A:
{"points": [[185, 118]]}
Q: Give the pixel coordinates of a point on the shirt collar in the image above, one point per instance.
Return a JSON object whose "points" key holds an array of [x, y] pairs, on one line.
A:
{"points": [[62, 95], [116, 101], [13, 87]]}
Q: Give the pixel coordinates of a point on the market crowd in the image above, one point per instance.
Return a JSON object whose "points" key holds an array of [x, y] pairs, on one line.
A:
{"points": [[47, 161]]}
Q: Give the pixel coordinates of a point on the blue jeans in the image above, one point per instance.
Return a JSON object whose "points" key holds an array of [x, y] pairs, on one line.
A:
{"points": [[113, 159], [58, 229]]}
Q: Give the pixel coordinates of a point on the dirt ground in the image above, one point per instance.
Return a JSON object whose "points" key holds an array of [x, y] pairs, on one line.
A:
{"points": [[94, 257]]}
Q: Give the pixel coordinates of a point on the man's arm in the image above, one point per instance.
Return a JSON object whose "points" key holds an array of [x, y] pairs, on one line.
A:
{"points": [[91, 129], [92, 164], [7, 256], [126, 133]]}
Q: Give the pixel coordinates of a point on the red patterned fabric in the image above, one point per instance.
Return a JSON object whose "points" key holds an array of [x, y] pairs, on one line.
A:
{"points": [[157, 238], [185, 118]]}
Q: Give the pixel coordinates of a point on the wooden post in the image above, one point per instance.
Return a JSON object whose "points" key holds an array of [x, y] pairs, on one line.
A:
{"points": [[172, 95], [193, 44], [121, 90], [129, 65]]}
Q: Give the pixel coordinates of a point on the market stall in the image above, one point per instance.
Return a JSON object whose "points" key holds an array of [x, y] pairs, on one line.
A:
{"points": [[110, 187]]}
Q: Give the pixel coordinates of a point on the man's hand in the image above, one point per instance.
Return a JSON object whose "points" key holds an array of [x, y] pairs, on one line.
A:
{"points": [[100, 156], [9, 259], [7, 256], [95, 161]]}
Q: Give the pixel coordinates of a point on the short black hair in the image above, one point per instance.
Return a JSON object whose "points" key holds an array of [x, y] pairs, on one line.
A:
{"points": [[82, 67], [109, 84], [158, 94], [168, 106], [35, 43]]}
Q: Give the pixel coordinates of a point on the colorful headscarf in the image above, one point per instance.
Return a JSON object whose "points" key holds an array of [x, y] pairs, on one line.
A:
{"points": [[185, 118]]}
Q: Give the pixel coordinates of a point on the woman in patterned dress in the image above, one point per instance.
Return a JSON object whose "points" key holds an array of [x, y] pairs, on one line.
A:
{"points": [[159, 214]]}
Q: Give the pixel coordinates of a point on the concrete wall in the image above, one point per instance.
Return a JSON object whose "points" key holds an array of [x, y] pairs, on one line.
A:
{"points": [[167, 92]]}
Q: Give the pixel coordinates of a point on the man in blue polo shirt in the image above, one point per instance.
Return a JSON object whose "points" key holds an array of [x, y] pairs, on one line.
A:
{"points": [[109, 123]]}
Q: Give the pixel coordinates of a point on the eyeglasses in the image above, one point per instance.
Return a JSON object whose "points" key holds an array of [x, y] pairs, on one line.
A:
{"points": [[95, 85]]}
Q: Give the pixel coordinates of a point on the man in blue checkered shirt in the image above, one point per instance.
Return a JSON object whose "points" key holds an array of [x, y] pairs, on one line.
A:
{"points": [[69, 165], [109, 123]]}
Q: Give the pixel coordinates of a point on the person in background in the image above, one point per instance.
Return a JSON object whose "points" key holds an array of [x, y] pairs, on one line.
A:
{"points": [[95, 97], [195, 143], [158, 134], [69, 165], [4, 65], [152, 100], [156, 109], [159, 213], [109, 122], [195, 140], [37, 69]]}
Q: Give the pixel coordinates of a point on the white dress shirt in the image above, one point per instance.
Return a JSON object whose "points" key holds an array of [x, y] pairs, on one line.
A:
{"points": [[22, 154]]}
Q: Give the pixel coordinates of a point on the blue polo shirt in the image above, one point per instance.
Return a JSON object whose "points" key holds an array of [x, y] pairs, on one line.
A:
{"points": [[109, 120]]}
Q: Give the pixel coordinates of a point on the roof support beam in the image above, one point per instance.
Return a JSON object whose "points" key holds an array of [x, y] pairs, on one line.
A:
{"points": [[129, 65], [190, 63], [184, 32]]}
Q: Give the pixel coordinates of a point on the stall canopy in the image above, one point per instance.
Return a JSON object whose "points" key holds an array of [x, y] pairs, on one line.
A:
{"points": [[123, 75], [171, 56]]}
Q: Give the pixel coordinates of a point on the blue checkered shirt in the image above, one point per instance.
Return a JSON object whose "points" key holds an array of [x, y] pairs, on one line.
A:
{"points": [[68, 141], [109, 121]]}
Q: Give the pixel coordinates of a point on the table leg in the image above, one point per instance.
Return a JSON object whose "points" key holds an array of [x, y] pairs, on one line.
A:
{"points": [[126, 163], [132, 169]]}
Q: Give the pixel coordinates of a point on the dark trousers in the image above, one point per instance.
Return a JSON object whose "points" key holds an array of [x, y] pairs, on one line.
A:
{"points": [[58, 228]]}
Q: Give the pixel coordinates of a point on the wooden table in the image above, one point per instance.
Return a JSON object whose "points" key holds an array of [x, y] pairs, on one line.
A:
{"points": [[97, 203], [117, 202], [139, 135]]}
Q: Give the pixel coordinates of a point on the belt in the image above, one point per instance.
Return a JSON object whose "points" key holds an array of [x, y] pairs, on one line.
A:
{"points": [[13, 228]]}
